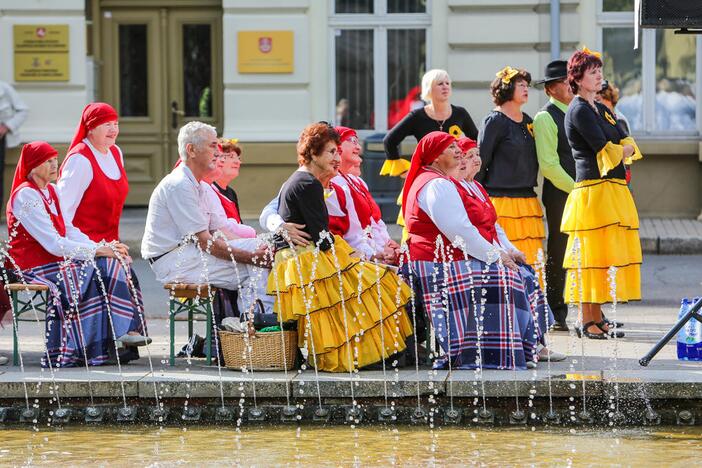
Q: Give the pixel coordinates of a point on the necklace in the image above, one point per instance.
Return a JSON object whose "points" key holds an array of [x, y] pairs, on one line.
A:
{"points": [[441, 124]]}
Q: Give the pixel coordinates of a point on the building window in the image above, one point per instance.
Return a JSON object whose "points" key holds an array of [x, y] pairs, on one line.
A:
{"points": [[380, 55], [658, 81]]}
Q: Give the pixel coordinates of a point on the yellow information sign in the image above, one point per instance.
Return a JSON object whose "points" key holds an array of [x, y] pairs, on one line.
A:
{"points": [[41, 52], [266, 51]]}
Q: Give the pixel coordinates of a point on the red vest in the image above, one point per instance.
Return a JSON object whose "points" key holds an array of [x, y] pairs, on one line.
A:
{"points": [[339, 225], [229, 206], [24, 249], [481, 214], [422, 230], [366, 207], [100, 208]]}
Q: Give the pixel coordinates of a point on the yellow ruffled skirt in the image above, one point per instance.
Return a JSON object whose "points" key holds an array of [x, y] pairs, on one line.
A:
{"points": [[602, 216], [523, 222], [340, 321]]}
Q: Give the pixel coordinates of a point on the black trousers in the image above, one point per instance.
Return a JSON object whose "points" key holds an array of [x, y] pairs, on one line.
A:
{"points": [[554, 201]]}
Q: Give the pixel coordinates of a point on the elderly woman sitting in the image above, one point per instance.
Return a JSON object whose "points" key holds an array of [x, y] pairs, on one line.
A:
{"points": [[350, 313], [367, 232], [469, 282], [93, 299]]}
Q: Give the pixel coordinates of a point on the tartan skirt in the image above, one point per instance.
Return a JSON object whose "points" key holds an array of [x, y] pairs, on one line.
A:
{"points": [[82, 310], [508, 307]]}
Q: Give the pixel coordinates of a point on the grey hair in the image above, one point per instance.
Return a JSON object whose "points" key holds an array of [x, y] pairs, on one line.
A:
{"points": [[192, 134], [429, 79]]}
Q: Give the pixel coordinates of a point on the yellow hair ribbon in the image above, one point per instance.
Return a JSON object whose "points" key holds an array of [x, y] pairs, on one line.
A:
{"points": [[592, 52], [507, 74], [233, 141]]}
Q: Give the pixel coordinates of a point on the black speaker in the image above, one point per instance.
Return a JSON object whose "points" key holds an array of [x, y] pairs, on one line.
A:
{"points": [[671, 14]]}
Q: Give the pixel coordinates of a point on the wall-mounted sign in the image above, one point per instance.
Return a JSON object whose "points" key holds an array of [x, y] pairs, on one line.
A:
{"points": [[265, 51], [41, 52]]}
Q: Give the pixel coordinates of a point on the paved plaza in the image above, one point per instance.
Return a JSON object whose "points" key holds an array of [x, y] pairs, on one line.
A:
{"points": [[666, 278]]}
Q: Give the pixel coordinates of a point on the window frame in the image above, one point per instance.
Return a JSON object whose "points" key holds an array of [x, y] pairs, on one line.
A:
{"points": [[647, 44], [379, 22]]}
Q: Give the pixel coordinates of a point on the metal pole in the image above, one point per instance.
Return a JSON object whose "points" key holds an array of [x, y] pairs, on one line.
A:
{"points": [[693, 313], [555, 29]]}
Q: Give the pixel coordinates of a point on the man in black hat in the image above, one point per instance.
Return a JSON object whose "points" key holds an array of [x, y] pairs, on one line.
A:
{"points": [[558, 167]]}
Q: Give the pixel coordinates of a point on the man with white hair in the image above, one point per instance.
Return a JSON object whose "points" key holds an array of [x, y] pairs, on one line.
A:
{"points": [[180, 241]]}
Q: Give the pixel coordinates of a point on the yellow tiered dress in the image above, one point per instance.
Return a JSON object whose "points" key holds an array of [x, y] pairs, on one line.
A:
{"points": [[602, 216], [338, 301], [523, 222]]}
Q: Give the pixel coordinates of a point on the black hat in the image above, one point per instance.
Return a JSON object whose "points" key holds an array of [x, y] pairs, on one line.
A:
{"points": [[556, 70]]}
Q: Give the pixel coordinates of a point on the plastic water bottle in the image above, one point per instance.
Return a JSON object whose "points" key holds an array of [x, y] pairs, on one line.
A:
{"points": [[690, 336]]}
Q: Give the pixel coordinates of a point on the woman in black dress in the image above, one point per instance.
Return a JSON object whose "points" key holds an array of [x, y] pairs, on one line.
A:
{"points": [[439, 114], [319, 285], [510, 166], [600, 216]]}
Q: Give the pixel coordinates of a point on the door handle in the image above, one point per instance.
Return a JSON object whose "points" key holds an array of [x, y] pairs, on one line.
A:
{"points": [[174, 114]]}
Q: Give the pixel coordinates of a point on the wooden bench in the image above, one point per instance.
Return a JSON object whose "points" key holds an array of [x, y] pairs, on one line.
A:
{"points": [[37, 301], [195, 299]]}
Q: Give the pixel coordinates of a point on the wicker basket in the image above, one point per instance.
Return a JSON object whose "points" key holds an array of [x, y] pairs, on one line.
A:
{"points": [[267, 351]]}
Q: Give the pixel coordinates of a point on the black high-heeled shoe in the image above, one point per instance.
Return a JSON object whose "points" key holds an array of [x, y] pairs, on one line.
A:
{"points": [[610, 333], [582, 331]]}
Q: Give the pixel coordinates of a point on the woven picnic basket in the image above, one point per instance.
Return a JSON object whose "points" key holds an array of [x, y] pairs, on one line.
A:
{"points": [[262, 351]]}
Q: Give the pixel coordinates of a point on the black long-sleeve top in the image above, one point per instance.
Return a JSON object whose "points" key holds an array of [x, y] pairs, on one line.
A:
{"points": [[417, 123], [301, 201], [588, 131], [508, 152]]}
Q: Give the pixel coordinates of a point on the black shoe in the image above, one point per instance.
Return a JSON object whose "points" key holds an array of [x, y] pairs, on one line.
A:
{"points": [[560, 326], [193, 348], [582, 331], [612, 323], [610, 332]]}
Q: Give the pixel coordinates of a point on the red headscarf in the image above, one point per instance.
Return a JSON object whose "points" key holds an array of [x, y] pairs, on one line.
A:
{"points": [[33, 155], [345, 133], [94, 114], [466, 144], [428, 149]]}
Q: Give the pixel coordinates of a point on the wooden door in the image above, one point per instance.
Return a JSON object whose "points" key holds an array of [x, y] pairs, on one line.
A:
{"points": [[161, 68]]}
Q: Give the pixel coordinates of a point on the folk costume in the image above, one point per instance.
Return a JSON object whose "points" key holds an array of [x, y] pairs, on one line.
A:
{"points": [[350, 313], [93, 186], [91, 301], [367, 232], [558, 168], [341, 217], [600, 212], [509, 173], [462, 285]]}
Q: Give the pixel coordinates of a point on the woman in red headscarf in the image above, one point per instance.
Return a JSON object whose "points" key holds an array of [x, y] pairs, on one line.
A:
{"points": [[465, 277], [92, 182], [94, 299], [367, 232]]}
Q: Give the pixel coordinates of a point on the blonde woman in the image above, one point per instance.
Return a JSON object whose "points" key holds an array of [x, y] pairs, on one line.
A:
{"points": [[437, 115]]}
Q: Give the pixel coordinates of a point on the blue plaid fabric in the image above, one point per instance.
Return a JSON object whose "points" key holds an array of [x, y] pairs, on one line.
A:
{"points": [[78, 321], [509, 306]]}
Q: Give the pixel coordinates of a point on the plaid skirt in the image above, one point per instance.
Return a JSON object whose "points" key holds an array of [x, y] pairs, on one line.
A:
{"points": [[82, 311], [509, 307]]}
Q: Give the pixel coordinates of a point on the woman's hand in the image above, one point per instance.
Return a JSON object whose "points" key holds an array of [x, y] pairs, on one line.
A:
{"points": [[519, 257], [117, 250], [628, 151], [296, 234], [508, 261]]}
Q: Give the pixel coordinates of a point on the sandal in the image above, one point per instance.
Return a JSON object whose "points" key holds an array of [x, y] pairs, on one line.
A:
{"points": [[612, 323], [610, 333], [582, 331]]}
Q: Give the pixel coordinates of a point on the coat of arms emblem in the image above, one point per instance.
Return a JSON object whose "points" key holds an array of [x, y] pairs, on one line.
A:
{"points": [[265, 44]]}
